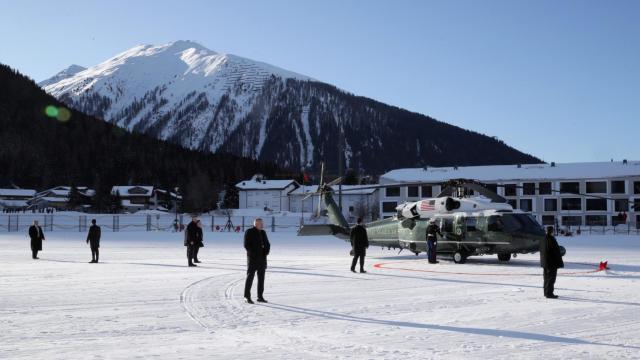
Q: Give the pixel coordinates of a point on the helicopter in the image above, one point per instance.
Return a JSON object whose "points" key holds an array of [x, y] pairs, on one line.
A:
{"points": [[471, 226]]}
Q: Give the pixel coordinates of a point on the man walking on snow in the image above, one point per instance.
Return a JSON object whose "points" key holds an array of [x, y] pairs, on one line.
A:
{"points": [[258, 247], [359, 245]]}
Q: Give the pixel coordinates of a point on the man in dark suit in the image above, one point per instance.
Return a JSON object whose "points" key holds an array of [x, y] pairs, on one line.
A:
{"points": [[93, 239], [359, 245], [432, 241], [550, 261], [258, 247], [192, 236], [37, 235]]}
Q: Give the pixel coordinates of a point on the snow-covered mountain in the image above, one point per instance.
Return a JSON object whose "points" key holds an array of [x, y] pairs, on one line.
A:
{"points": [[190, 95], [64, 74]]}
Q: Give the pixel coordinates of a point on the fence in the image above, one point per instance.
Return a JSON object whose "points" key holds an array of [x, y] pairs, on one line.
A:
{"points": [[126, 222]]}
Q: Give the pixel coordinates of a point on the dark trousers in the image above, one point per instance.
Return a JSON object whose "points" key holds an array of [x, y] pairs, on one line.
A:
{"points": [[249, 283], [549, 280], [195, 252], [191, 253], [34, 253], [355, 260], [95, 253], [431, 248]]}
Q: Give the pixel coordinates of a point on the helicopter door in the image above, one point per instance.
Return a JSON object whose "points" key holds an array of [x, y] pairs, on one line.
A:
{"points": [[460, 227]]}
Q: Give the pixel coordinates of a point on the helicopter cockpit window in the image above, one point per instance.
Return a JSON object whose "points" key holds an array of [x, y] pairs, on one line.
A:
{"points": [[495, 223], [521, 222]]}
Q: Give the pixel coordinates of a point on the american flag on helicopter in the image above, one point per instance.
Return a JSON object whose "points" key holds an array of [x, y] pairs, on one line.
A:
{"points": [[427, 205]]}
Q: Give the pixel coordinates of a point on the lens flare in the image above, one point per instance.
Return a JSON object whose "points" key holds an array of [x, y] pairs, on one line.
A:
{"points": [[51, 111], [63, 114]]}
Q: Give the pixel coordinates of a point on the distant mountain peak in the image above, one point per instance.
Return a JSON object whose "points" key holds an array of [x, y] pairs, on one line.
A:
{"points": [[66, 73], [190, 95]]}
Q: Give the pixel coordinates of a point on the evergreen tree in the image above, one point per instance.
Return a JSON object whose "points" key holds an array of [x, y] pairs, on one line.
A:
{"points": [[74, 199]]}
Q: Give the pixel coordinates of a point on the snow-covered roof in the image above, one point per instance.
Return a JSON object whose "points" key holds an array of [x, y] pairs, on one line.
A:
{"points": [[49, 199], [568, 171], [264, 184], [13, 203], [171, 193], [63, 191], [17, 192], [135, 190], [346, 190]]}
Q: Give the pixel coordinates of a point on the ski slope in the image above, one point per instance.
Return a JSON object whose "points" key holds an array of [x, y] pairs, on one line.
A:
{"points": [[142, 302]]}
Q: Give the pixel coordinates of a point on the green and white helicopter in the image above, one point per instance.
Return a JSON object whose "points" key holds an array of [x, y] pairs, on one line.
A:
{"points": [[478, 225]]}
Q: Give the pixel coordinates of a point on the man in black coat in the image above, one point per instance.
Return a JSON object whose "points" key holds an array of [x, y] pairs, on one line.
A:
{"points": [[192, 236], [359, 245], [37, 235], [199, 242], [93, 239], [257, 245], [550, 261], [432, 241]]}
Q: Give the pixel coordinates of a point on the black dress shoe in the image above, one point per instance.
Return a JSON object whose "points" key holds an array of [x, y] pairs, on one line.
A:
{"points": [[248, 300], [353, 270], [362, 272], [262, 300], [193, 265], [92, 261], [197, 261], [551, 296]]}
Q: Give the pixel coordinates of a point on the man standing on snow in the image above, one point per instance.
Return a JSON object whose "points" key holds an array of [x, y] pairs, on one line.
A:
{"points": [[432, 241], [359, 245], [93, 239], [37, 235], [192, 236], [257, 245], [550, 261]]}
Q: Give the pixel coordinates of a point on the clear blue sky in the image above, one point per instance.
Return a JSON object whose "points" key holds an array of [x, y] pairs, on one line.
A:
{"points": [[557, 79]]}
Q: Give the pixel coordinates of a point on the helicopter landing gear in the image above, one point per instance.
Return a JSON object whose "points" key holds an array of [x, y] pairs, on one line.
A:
{"points": [[504, 257], [459, 257]]}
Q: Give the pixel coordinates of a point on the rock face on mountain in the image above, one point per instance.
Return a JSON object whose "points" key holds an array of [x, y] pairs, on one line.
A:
{"points": [[197, 98]]}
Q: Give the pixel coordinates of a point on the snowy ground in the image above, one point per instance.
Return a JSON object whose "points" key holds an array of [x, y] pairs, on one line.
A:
{"points": [[142, 302]]}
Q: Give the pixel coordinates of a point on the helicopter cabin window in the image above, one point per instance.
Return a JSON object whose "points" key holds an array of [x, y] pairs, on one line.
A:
{"points": [[510, 190], [392, 191], [570, 187], [596, 205], [572, 204], [526, 205], [528, 188], [412, 191], [389, 206], [446, 225], [544, 188], [513, 203], [548, 220], [495, 223], [572, 220], [471, 223], [618, 187], [550, 204], [427, 191], [595, 220], [596, 187], [621, 205]]}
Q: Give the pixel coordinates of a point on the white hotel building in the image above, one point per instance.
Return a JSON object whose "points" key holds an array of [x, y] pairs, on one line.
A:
{"points": [[538, 189]]}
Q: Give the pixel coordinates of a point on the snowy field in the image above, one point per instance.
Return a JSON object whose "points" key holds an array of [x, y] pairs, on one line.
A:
{"points": [[142, 302]]}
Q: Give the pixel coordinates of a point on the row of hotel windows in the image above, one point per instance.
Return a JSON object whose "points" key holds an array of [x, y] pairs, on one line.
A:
{"points": [[544, 188], [573, 204], [589, 220], [566, 204]]}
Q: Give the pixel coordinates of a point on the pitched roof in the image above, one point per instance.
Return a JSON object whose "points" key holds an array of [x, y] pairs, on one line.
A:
{"points": [[17, 192], [568, 171], [264, 184], [134, 190]]}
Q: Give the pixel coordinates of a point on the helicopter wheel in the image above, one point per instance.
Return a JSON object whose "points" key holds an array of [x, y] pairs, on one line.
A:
{"points": [[459, 257], [504, 257]]}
